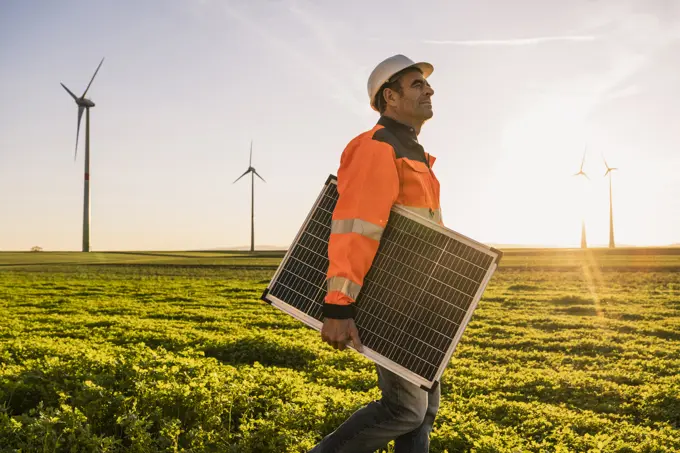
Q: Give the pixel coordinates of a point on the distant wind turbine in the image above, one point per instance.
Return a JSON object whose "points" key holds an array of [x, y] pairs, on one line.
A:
{"points": [[584, 243], [611, 210], [253, 173], [580, 171], [85, 104]]}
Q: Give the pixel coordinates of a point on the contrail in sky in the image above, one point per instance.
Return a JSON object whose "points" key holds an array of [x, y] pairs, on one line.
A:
{"points": [[512, 41]]}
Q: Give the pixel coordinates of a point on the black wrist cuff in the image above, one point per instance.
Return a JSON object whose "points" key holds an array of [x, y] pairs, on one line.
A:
{"points": [[339, 311]]}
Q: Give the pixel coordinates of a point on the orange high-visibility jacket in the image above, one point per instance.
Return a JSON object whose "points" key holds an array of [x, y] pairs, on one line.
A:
{"points": [[380, 168]]}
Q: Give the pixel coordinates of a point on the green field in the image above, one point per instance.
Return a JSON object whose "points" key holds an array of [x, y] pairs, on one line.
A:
{"points": [[173, 351]]}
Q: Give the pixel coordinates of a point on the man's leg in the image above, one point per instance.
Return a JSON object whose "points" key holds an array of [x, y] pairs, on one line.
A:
{"points": [[402, 409], [418, 440]]}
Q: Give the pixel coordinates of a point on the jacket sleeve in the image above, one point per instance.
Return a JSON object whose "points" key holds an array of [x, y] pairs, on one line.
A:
{"points": [[368, 186]]}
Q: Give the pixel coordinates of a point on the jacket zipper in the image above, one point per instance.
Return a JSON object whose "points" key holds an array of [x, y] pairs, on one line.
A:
{"points": [[429, 183]]}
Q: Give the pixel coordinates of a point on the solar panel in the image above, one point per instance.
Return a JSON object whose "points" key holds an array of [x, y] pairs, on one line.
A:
{"points": [[416, 300]]}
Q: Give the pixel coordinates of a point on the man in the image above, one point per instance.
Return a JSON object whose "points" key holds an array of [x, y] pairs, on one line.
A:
{"points": [[378, 169]]}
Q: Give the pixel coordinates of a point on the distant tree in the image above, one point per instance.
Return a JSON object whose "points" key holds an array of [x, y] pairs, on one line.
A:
{"points": [[36, 248]]}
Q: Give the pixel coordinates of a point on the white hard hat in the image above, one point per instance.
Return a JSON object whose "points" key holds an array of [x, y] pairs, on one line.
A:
{"points": [[387, 68]]}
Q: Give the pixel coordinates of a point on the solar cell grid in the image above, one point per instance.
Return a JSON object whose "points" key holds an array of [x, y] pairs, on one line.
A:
{"points": [[417, 298]]}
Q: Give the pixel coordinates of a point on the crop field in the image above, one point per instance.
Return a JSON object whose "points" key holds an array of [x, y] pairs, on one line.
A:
{"points": [[568, 351]]}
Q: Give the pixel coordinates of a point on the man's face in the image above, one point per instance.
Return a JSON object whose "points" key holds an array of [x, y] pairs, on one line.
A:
{"points": [[416, 100]]}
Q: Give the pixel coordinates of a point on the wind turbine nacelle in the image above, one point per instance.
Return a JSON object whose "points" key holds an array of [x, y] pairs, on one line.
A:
{"points": [[85, 102]]}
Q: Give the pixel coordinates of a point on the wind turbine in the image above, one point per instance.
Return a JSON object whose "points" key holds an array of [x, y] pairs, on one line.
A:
{"points": [[611, 210], [253, 173], [85, 104], [580, 171], [584, 243]]}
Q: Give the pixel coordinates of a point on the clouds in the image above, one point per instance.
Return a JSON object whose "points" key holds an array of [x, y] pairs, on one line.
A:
{"points": [[634, 34], [345, 67], [330, 72], [608, 44], [513, 41]]}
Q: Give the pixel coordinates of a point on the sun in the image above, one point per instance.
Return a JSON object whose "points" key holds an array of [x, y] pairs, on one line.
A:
{"points": [[541, 148]]}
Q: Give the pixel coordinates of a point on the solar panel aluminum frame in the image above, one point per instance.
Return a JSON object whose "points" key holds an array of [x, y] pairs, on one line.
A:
{"points": [[428, 385]]}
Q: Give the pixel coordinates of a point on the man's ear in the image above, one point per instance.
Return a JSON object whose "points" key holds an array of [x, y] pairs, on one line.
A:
{"points": [[388, 95]]}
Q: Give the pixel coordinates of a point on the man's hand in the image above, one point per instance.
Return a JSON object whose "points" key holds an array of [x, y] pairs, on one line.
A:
{"points": [[338, 332]]}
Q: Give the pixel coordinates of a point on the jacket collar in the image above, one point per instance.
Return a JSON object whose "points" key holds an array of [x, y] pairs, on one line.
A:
{"points": [[406, 135], [401, 130]]}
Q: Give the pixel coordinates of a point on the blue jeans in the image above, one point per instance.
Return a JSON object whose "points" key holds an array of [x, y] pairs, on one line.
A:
{"points": [[405, 414]]}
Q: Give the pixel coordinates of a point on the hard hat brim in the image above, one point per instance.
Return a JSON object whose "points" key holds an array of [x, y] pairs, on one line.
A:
{"points": [[424, 66]]}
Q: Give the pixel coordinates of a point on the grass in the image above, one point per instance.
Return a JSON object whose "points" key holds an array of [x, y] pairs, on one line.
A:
{"points": [[664, 259], [141, 352], [233, 260]]}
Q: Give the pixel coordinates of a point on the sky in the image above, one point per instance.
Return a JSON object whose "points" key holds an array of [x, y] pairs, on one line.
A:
{"points": [[522, 90]]}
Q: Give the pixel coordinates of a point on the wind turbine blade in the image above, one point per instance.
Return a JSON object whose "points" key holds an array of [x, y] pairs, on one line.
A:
{"points": [[95, 73], [605, 161], [258, 175], [75, 98], [246, 172], [584, 159], [250, 163], [80, 116]]}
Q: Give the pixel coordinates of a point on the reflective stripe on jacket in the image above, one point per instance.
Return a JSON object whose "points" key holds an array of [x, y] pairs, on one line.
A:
{"points": [[380, 168]]}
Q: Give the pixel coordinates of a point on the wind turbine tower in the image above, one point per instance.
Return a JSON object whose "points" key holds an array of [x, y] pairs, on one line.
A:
{"points": [[584, 243], [85, 104], [611, 209], [253, 173]]}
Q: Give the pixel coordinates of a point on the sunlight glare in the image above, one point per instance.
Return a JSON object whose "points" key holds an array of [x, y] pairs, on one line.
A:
{"points": [[542, 147]]}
